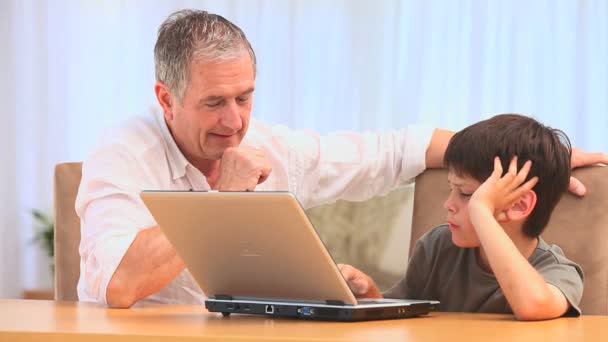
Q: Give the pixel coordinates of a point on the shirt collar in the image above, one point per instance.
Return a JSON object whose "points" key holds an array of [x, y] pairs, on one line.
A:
{"points": [[175, 157]]}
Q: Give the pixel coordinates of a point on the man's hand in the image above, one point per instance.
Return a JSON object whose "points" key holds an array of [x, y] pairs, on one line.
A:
{"points": [[242, 168], [581, 158], [499, 192], [360, 283]]}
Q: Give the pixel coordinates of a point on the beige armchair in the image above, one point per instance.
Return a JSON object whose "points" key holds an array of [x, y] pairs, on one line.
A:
{"points": [[579, 226], [67, 231]]}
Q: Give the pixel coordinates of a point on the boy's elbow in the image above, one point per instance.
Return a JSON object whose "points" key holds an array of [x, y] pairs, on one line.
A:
{"points": [[530, 315], [538, 307]]}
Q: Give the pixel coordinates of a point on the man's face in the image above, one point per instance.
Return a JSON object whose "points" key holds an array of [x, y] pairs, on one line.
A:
{"points": [[215, 110], [463, 232]]}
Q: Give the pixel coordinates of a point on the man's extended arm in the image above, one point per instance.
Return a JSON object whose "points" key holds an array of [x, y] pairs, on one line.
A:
{"points": [[437, 146]]}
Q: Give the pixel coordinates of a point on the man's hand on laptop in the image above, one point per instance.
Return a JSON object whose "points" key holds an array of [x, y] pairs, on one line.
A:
{"points": [[242, 168], [360, 283]]}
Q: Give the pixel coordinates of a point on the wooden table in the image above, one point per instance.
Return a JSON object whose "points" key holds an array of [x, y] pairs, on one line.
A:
{"points": [[30, 320]]}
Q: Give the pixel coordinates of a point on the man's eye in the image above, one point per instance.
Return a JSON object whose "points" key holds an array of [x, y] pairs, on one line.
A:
{"points": [[213, 104], [242, 99]]}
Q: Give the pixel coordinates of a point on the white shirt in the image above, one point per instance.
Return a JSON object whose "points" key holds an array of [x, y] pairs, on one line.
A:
{"points": [[141, 154]]}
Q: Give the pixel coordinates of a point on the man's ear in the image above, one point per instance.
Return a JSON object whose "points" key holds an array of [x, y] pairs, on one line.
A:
{"points": [[165, 100], [522, 208]]}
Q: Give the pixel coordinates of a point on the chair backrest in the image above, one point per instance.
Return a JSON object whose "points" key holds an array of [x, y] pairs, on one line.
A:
{"points": [[578, 225], [67, 231]]}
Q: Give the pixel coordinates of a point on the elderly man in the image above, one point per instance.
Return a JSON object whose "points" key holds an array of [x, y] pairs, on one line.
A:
{"points": [[203, 139]]}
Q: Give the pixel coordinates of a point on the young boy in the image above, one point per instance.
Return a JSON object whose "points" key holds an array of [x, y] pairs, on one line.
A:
{"points": [[489, 257]]}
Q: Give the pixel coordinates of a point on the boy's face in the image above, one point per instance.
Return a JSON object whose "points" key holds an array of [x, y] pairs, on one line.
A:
{"points": [[462, 187]]}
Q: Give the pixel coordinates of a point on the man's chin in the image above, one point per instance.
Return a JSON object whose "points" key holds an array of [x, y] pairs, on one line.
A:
{"points": [[216, 153]]}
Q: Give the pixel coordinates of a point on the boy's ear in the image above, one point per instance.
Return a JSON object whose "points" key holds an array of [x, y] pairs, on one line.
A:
{"points": [[522, 208]]}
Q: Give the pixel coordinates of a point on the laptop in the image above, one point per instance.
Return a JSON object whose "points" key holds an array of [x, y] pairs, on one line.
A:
{"points": [[258, 253]]}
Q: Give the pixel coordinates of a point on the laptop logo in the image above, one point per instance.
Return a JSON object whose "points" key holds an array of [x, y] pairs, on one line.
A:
{"points": [[247, 250]]}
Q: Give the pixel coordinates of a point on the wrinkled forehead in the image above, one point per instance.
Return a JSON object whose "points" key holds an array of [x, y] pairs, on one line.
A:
{"points": [[459, 178]]}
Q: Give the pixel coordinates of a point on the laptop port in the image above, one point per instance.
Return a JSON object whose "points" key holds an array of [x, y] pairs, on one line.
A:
{"points": [[245, 307], [229, 306], [269, 309], [306, 311]]}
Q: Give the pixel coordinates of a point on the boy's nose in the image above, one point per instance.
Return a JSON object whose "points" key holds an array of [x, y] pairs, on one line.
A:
{"points": [[448, 205]]}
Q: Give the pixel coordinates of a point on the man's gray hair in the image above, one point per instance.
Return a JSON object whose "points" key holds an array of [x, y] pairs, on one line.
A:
{"points": [[188, 35]]}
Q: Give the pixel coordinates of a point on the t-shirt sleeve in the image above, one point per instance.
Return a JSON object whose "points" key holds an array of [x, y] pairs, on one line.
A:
{"points": [[564, 274]]}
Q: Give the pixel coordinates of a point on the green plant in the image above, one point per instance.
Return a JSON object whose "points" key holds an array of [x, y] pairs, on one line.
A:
{"points": [[45, 232]]}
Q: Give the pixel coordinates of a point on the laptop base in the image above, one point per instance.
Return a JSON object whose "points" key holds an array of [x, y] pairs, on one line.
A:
{"points": [[318, 311]]}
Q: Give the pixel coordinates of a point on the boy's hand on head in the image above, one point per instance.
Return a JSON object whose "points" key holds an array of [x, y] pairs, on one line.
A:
{"points": [[499, 192], [581, 158], [360, 283]]}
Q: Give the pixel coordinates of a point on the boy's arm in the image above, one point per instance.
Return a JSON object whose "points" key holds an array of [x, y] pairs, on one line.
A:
{"points": [[362, 285], [528, 294]]}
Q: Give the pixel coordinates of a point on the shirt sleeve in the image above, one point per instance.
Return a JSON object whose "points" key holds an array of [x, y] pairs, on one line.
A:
{"points": [[111, 214], [566, 275], [355, 166]]}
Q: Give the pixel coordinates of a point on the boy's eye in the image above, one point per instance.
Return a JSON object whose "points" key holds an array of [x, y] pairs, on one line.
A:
{"points": [[463, 195]]}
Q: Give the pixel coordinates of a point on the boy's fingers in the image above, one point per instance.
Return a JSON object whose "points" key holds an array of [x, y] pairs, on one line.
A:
{"points": [[497, 167], [359, 286], [513, 166], [523, 173], [526, 167], [527, 186]]}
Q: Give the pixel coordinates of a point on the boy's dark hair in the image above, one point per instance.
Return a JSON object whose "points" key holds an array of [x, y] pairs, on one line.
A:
{"points": [[471, 153]]}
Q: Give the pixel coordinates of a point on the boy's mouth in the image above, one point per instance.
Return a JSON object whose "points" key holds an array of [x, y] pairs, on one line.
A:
{"points": [[452, 225]]}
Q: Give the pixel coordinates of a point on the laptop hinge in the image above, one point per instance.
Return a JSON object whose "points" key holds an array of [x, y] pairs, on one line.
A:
{"points": [[223, 297], [334, 302]]}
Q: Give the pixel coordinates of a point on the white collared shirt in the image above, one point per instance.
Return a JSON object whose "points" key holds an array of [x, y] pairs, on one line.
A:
{"points": [[141, 154]]}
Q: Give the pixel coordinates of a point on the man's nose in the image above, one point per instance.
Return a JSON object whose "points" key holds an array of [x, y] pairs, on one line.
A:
{"points": [[231, 117]]}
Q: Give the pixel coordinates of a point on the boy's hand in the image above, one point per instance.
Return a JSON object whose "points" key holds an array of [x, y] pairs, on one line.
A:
{"points": [[360, 283], [498, 193]]}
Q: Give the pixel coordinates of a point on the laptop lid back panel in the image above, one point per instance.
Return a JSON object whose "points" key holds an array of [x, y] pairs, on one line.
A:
{"points": [[249, 245]]}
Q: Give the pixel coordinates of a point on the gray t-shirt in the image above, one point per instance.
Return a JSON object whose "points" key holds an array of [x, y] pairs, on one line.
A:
{"points": [[442, 271]]}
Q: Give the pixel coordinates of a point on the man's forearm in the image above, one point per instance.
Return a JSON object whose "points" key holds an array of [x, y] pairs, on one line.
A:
{"points": [[149, 265], [437, 146]]}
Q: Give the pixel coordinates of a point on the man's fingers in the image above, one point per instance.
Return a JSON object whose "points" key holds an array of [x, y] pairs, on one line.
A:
{"points": [[581, 158], [576, 187], [264, 174]]}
